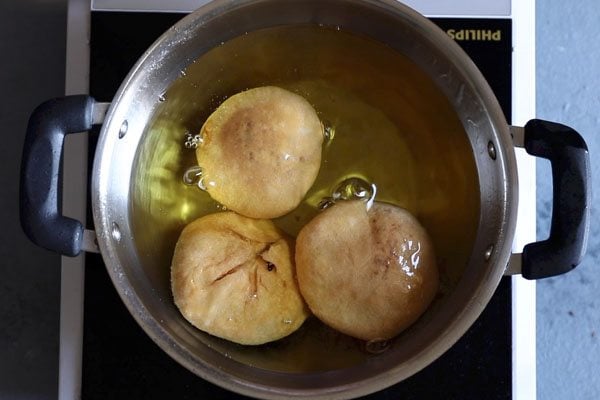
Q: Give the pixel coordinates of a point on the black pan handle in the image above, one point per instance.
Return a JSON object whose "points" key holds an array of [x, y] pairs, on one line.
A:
{"points": [[569, 157], [40, 189]]}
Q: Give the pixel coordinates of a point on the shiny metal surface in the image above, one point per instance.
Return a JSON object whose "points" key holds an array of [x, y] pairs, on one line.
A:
{"points": [[388, 22], [501, 8], [89, 243], [514, 264], [518, 135], [99, 112]]}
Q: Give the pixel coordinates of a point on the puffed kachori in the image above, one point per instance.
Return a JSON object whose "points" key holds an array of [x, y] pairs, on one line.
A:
{"points": [[367, 273]]}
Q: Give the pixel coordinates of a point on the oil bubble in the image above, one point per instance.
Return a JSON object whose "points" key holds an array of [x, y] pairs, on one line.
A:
{"points": [[352, 188], [202, 185], [328, 132], [192, 141], [355, 188], [325, 203], [377, 346], [192, 175]]}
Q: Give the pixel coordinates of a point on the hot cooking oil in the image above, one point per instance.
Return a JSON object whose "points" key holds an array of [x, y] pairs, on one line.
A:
{"points": [[387, 125]]}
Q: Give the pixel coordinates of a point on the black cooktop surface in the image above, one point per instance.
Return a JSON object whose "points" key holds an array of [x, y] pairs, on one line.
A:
{"points": [[121, 361]]}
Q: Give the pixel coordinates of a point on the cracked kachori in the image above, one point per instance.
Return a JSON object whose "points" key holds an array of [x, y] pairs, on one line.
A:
{"points": [[234, 277]]}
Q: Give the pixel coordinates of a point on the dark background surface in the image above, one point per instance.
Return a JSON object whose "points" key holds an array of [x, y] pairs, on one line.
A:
{"points": [[32, 64]]}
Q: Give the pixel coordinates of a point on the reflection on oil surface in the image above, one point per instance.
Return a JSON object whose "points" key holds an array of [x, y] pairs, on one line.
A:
{"points": [[388, 125]]}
